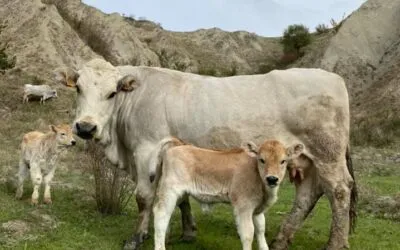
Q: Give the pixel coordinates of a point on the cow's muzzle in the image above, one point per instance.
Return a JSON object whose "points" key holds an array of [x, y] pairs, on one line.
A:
{"points": [[85, 130]]}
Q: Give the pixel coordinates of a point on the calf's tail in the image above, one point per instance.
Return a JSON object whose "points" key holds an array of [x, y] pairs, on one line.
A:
{"points": [[157, 155], [354, 193]]}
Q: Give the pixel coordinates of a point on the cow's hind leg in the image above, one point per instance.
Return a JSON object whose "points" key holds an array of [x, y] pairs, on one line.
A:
{"points": [[337, 188], [308, 193], [188, 224]]}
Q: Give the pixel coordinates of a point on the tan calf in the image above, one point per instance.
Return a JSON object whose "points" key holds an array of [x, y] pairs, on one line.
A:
{"points": [[247, 177], [39, 154]]}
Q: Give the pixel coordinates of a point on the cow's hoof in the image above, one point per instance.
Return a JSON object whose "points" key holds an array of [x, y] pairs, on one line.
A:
{"points": [[47, 201], [188, 238], [34, 202], [278, 245], [135, 242]]}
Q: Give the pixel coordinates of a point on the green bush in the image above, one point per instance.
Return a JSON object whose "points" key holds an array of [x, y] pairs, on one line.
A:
{"points": [[321, 28], [5, 62], [295, 37]]}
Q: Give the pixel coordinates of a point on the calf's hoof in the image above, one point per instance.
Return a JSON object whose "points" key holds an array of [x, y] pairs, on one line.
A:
{"points": [[47, 201], [135, 242], [34, 202]]}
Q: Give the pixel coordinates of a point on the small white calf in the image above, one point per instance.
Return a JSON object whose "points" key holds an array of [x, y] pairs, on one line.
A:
{"points": [[247, 177], [44, 92], [39, 154]]}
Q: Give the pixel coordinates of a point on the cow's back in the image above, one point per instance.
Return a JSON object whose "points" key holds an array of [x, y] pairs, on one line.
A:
{"points": [[213, 112]]}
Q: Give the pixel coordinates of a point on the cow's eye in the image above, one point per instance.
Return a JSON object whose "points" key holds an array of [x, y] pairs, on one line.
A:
{"points": [[262, 160], [78, 90], [112, 95], [62, 133], [283, 162]]}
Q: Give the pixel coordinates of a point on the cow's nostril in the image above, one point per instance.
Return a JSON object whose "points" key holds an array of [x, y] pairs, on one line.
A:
{"points": [[73, 142], [93, 129], [272, 180], [77, 126]]}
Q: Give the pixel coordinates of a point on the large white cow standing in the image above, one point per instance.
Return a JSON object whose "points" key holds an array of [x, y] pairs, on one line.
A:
{"points": [[130, 109]]}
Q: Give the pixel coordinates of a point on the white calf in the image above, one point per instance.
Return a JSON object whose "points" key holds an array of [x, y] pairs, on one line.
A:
{"points": [[248, 178], [39, 153]]}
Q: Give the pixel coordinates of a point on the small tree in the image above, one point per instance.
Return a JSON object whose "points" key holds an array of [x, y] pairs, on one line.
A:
{"points": [[295, 37]]}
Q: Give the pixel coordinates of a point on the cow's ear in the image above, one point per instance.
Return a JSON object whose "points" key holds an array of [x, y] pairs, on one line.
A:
{"points": [[127, 83], [53, 128], [295, 151], [250, 148], [66, 76]]}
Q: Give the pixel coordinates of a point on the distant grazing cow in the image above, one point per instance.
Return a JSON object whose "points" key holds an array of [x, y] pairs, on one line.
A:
{"points": [[130, 109], [39, 154], [44, 92], [248, 178]]}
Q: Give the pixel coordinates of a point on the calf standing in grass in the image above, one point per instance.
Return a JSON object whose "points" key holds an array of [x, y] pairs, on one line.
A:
{"points": [[247, 177], [39, 154]]}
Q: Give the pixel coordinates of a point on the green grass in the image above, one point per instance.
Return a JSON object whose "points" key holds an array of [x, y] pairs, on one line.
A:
{"points": [[81, 227]]}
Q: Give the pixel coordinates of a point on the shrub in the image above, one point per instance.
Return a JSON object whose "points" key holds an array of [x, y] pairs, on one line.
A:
{"points": [[113, 187], [295, 37], [321, 28], [5, 62]]}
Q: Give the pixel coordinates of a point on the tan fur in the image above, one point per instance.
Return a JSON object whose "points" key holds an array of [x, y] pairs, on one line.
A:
{"points": [[233, 176], [39, 152]]}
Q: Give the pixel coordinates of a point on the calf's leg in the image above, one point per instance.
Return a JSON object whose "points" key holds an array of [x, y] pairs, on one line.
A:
{"points": [[244, 221], [47, 180], [36, 176], [259, 224], [188, 224], [162, 210], [22, 173]]}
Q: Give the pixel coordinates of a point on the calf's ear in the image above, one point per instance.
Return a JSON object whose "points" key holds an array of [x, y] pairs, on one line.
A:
{"points": [[295, 151], [66, 76], [127, 83], [53, 128], [250, 148]]}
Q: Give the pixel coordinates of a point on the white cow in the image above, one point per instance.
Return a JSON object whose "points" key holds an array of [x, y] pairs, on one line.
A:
{"points": [[39, 153], [247, 177], [44, 92], [130, 109]]}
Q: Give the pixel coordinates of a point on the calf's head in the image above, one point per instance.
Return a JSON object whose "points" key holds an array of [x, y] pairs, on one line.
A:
{"points": [[272, 158], [97, 84], [64, 135]]}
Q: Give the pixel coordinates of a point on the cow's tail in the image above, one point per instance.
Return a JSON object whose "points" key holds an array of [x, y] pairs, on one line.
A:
{"points": [[156, 158], [354, 193]]}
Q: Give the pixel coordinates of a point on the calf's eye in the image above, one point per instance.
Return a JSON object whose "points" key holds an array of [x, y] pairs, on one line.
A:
{"points": [[78, 90], [112, 95], [283, 162], [62, 133], [262, 160]]}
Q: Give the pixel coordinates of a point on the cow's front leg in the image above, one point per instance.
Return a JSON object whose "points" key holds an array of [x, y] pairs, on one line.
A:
{"points": [[307, 194], [144, 200]]}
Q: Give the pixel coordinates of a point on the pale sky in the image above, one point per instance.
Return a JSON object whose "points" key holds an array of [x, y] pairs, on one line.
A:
{"points": [[264, 17]]}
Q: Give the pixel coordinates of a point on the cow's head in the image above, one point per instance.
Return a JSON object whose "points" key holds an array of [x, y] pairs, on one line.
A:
{"points": [[272, 158], [64, 135], [97, 84]]}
